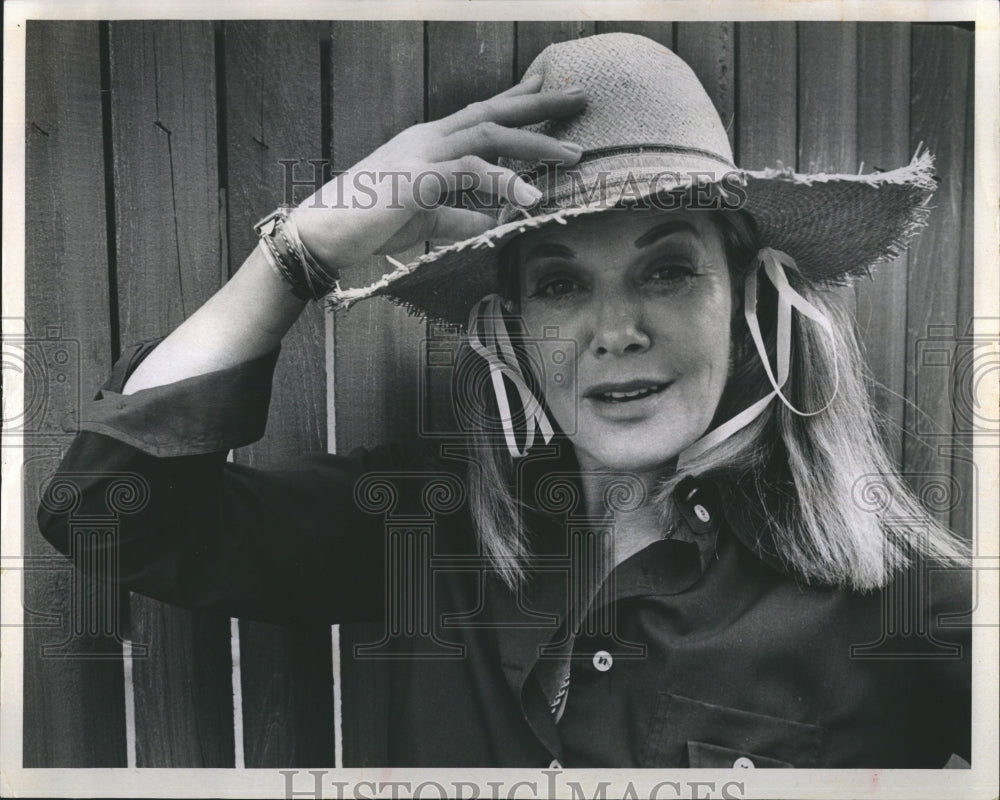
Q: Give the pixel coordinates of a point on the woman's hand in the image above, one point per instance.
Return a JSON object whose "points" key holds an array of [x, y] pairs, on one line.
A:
{"points": [[391, 200], [358, 214]]}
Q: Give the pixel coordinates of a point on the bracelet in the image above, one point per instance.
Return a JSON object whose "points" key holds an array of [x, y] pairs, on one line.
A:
{"points": [[288, 257]]}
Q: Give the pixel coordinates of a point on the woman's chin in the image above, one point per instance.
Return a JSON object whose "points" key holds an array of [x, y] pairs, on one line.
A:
{"points": [[629, 455], [639, 446]]}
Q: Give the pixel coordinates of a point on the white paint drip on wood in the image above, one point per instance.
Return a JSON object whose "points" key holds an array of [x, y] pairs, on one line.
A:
{"points": [[338, 728], [130, 757], [234, 640]]}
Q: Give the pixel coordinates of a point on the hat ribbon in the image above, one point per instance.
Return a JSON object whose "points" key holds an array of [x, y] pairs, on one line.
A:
{"points": [[497, 350], [774, 262]]}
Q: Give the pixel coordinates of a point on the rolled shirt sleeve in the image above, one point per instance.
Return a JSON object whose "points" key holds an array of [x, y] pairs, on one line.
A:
{"points": [[288, 546], [208, 413]]}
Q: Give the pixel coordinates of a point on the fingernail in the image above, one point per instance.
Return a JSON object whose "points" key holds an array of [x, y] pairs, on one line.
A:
{"points": [[529, 195], [573, 148], [574, 90]]}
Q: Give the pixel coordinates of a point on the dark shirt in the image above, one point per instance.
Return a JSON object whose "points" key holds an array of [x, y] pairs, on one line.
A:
{"points": [[700, 650]]}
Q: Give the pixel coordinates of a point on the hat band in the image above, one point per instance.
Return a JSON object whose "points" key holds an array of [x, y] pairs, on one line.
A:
{"points": [[631, 149], [606, 176], [551, 178]]}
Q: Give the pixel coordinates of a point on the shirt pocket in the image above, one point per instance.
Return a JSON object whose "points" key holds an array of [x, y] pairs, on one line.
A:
{"points": [[704, 755], [692, 733]]}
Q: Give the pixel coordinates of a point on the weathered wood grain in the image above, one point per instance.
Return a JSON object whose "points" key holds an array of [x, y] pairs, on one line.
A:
{"points": [[939, 92], [74, 713], [973, 356], [709, 47], [273, 107], [828, 107], [660, 31], [533, 37], [273, 113], [375, 360], [466, 62], [767, 95], [169, 256], [884, 144], [377, 344]]}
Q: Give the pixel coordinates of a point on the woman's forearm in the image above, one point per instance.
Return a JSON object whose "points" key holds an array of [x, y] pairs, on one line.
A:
{"points": [[245, 319], [248, 316]]}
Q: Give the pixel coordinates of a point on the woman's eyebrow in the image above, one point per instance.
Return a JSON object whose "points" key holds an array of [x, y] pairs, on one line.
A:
{"points": [[666, 229], [549, 249]]}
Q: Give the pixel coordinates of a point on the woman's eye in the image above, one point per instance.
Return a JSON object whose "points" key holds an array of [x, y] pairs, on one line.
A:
{"points": [[667, 273], [557, 287]]}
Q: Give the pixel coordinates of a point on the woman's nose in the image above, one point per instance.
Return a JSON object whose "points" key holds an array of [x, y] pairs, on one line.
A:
{"points": [[619, 330]]}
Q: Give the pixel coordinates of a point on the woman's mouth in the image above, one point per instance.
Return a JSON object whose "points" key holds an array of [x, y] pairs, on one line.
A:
{"points": [[625, 393]]}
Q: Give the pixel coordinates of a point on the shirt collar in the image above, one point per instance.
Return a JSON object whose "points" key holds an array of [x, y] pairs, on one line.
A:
{"points": [[527, 619], [707, 508]]}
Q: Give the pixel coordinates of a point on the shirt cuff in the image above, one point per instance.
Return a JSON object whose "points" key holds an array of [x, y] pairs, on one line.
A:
{"points": [[209, 413]]}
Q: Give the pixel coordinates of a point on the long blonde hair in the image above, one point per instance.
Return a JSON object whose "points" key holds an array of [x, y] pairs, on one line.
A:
{"points": [[836, 509]]}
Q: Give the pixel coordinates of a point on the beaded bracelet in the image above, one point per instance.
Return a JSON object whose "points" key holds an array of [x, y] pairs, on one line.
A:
{"points": [[288, 257]]}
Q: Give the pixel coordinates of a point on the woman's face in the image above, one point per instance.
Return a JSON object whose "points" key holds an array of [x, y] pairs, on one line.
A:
{"points": [[644, 295]]}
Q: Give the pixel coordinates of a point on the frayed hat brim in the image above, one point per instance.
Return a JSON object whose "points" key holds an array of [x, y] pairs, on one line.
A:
{"points": [[835, 226]]}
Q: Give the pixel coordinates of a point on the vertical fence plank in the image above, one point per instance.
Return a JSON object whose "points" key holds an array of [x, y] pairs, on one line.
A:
{"points": [[169, 262], [828, 77], [883, 144], [939, 97], [273, 108], [708, 47], [533, 37], [967, 415], [766, 92], [662, 32], [376, 352], [377, 343], [74, 712], [466, 62], [828, 107]]}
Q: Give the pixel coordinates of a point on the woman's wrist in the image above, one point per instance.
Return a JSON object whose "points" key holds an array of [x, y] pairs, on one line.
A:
{"points": [[290, 258]]}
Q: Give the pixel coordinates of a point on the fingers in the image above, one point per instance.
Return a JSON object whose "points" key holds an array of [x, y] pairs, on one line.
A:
{"points": [[472, 174], [518, 109], [490, 141], [528, 85], [455, 224], [443, 224]]}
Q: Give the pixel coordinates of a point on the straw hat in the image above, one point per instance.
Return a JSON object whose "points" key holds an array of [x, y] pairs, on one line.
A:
{"points": [[650, 130]]}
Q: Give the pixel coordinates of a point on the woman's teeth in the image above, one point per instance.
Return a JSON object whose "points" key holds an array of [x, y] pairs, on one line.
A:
{"points": [[619, 397]]}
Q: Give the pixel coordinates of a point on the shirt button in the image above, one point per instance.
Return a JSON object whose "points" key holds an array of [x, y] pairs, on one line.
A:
{"points": [[743, 763], [555, 764], [602, 661], [702, 513]]}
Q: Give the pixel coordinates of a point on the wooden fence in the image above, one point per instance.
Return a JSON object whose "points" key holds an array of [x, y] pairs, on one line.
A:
{"points": [[151, 149]]}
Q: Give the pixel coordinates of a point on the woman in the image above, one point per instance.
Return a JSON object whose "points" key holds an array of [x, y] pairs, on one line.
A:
{"points": [[657, 544]]}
